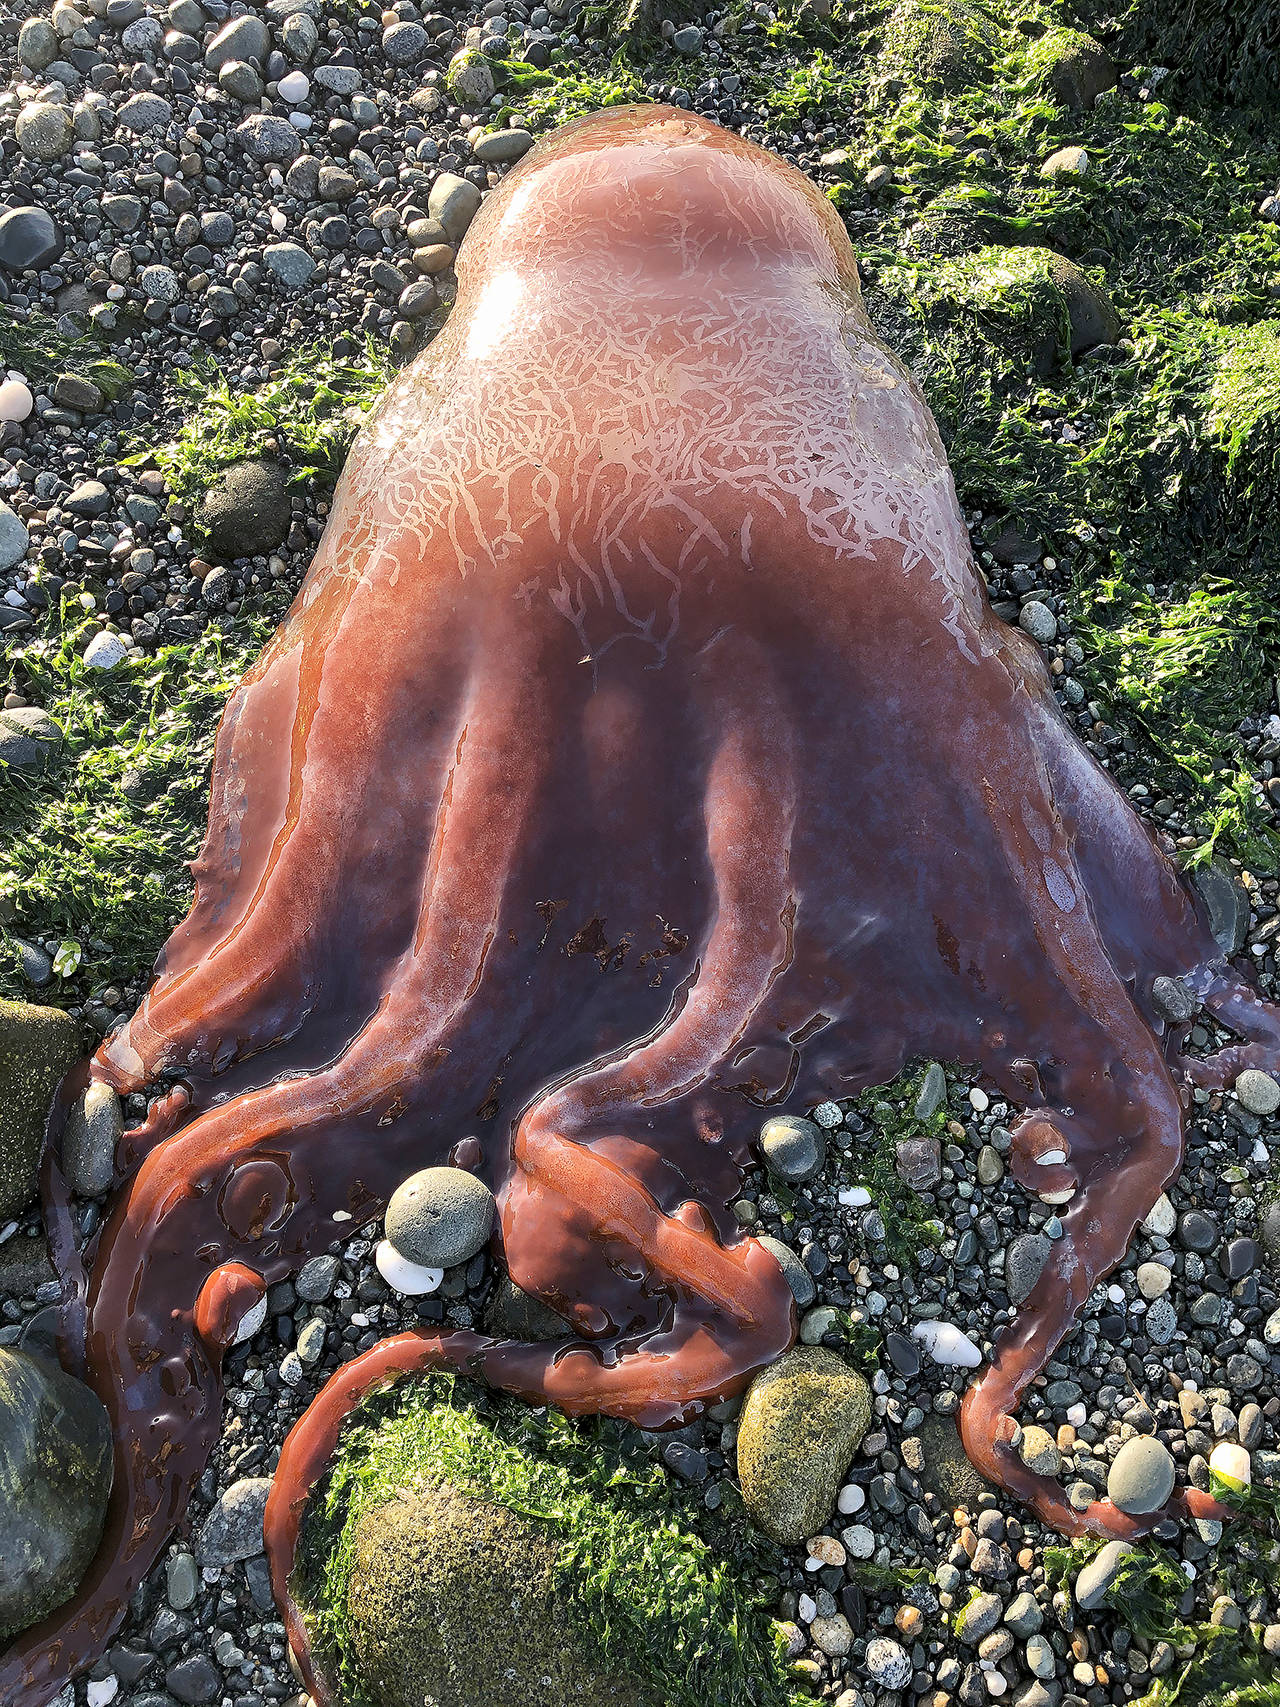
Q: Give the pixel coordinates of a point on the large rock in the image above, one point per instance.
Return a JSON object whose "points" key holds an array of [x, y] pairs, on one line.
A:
{"points": [[37, 1046], [55, 1480], [247, 510], [458, 1601], [29, 739], [801, 1423]]}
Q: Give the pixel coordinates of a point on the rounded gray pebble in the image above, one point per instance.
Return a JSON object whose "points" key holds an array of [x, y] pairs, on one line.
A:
{"points": [[794, 1272], [793, 1148], [1258, 1092], [1142, 1476]]}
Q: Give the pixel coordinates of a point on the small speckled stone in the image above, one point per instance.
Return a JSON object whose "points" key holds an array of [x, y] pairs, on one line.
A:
{"points": [[1037, 620], [1161, 1322], [1173, 1001], [1024, 1264], [1154, 1279], [1039, 1451], [1258, 1092]]}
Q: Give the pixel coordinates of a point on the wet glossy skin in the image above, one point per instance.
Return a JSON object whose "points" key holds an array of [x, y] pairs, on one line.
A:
{"points": [[640, 751]]}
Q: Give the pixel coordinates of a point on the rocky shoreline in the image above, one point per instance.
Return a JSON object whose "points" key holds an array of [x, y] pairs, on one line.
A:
{"points": [[217, 181]]}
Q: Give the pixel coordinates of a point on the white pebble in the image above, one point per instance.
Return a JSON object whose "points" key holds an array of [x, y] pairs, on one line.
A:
{"points": [[1077, 1415], [807, 1610], [859, 1541], [947, 1345], [851, 1499], [1161, 1218], [251, 1321], [105, 651], [294, 86], [979, 1101], [278, 220], [1051, 1158], [855, 1197], [101, 1690], [1230, 1463], [300, 121], [401, 1275], [16, 401]]}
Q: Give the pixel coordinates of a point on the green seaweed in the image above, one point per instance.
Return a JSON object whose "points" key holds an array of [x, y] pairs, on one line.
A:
{"points": [[95, 849], [310, 410], [34, 346]]}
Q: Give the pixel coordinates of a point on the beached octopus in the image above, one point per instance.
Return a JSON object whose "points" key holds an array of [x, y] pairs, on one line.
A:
{"points": [[641, 753]]}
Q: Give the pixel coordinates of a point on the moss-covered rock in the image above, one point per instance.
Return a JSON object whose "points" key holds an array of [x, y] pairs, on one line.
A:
{"points": [[37, 1046], [945, 1470], [1073, 68], [55, 1480], [946, 42], [456, 1601], [247, 510], [801, 1423]]}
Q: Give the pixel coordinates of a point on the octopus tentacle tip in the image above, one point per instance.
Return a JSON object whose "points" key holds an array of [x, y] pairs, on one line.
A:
{"points": [[456, 880]]}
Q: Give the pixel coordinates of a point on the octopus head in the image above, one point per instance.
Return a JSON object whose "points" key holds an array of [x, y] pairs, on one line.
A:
{"points": [[630, 184]]}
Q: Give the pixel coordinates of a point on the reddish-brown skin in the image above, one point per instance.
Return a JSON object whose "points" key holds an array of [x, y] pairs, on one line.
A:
{"points": [[641, 751]]}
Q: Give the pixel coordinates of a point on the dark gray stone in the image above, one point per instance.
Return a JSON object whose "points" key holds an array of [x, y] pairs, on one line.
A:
{"points": [[1226, 904], [233, 1529], [247, 511], [28, 238], [55, 1480], [29, 739]]}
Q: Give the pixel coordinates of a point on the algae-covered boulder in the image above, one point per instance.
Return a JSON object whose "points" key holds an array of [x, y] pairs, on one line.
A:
{"points": [[801, 1423], [1073, 67], [55, 1480], [37, 1046], [471, 1551], [456, 1601], [946, 42], [1003, 312]]}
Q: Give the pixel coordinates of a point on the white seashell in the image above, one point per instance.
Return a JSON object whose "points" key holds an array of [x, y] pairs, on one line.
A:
{"points": [[411, 1278], [855, 1197], [947, 1345], [1050, 1158], [1230, 1464]]}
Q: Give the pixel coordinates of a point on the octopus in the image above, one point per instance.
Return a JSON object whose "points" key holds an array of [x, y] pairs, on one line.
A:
{"points": [[641, 754]]}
